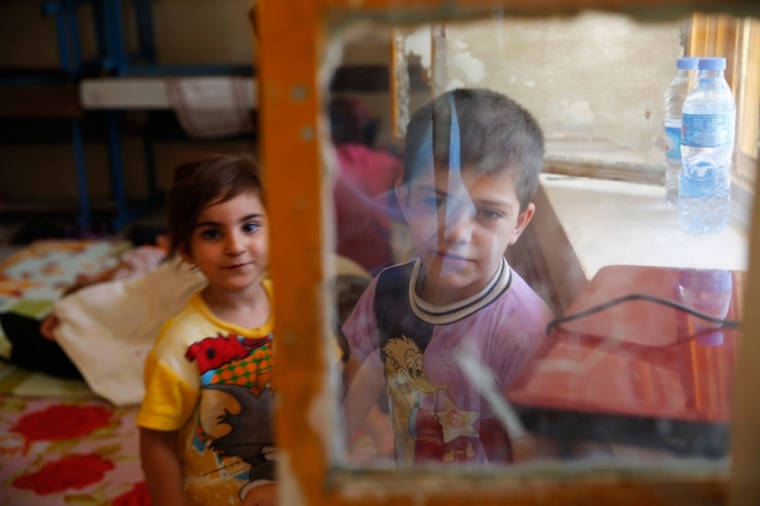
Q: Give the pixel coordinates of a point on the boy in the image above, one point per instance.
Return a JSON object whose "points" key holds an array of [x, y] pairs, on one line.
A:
{"points": [[472, 159]]}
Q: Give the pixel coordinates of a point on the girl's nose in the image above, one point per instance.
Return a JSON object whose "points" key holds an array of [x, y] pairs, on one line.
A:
{"points": [[235, 244]]}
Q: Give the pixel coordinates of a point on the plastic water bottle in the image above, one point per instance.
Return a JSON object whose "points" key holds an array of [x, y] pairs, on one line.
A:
{"points": [[707, 143], [674, 99]]}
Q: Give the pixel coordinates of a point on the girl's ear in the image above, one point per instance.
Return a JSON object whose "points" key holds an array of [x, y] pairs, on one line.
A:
{"points": [[402, 194], [185, 254]]}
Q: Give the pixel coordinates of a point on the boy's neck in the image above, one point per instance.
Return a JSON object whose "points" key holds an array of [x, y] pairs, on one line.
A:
{"points": [[248, 308], [431, 292]]}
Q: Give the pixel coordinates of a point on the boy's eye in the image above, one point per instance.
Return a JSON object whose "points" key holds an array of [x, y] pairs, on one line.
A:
{"points": [[434, 202], [251, 227], [489, 214], [210, 234]]}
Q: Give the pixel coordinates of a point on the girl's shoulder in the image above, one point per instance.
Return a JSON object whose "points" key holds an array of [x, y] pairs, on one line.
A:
{"points": [[190, 321], [197, 318]]}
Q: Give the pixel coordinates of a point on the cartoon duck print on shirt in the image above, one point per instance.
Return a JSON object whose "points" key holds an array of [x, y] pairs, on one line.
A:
{"points": [[235, 414], [407, 380]]}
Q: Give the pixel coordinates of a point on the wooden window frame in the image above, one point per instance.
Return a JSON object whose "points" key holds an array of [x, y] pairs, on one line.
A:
{"points": [[292, 47]]}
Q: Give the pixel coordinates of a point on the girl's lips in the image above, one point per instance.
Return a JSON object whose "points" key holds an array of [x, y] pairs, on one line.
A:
{"points": [[236, 266]]}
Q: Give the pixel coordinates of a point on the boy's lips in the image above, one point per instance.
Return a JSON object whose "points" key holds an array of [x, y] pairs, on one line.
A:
{"points": [[450, 256]]}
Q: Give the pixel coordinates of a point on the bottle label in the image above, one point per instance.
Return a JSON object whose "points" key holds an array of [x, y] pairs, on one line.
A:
{"points": [[673, 144], [706, 130]]}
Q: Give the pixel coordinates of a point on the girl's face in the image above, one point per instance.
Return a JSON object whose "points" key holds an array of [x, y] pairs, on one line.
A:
{"points": [[229, 243]]}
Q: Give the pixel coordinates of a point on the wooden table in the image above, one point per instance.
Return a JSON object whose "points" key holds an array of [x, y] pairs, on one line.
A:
{"points": [[640, 373]]}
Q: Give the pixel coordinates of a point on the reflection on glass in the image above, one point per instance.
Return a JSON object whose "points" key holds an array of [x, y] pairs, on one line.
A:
{"points": [[708, 291], [446, 356], [363, 190]]}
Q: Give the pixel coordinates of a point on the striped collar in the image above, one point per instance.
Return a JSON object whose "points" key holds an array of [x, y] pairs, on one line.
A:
{"points": [[451, 313]]}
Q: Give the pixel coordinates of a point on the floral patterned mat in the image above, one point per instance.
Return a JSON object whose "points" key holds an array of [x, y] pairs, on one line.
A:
{"points": [[59, 443], [72, 452]]}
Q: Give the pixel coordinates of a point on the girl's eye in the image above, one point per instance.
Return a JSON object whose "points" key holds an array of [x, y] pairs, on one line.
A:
{"points": [[210, 234], [250, 227]]}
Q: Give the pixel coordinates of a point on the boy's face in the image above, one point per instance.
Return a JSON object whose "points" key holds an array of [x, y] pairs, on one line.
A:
{"points": [[460, 226]]}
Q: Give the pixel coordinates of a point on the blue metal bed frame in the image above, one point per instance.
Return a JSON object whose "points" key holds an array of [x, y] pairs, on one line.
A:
{"points": [[112, 58]]}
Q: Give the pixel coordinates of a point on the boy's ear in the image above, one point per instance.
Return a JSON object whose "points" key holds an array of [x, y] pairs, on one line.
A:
{"points": [[522, 221], [402, 195]]}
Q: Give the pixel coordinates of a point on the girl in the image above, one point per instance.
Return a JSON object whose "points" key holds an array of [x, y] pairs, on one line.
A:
{"points": [[206, 421]]}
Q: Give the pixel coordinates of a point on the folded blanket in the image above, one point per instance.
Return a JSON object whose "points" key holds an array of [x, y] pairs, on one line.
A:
{"points": [[108, 329]]}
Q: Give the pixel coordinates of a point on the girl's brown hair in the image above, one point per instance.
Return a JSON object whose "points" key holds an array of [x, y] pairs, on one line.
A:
{"points": [[205, 180]]}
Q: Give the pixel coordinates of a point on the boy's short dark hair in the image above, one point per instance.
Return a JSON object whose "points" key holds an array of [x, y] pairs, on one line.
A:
{"points": [[214, 178], [496, 134]]}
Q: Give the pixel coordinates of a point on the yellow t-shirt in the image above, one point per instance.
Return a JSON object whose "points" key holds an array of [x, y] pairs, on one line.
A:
{"points": [[210, 380]]}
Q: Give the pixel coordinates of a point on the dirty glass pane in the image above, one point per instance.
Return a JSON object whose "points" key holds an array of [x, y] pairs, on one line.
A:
{"points": [[489, 314]]}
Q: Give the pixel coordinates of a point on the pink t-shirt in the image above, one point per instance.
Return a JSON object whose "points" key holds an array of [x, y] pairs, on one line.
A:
{"points": [[438, 413]]}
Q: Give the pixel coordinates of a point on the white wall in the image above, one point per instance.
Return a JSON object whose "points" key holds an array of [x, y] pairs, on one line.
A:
{"points": [[594, 76]]}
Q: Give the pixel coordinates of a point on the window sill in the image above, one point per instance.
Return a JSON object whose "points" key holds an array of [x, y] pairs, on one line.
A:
{"points": [[585, 224]]}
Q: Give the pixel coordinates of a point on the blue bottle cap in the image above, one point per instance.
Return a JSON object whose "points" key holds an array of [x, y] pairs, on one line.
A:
{"points": [[687, 63], [712, 64]]}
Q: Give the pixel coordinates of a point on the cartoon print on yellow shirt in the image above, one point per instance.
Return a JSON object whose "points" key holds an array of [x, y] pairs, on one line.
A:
{"points": [[235, 413], [407, 380]]}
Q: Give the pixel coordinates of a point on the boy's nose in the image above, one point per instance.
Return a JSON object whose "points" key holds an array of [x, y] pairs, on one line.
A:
{"points": [[460, 211], [458, 226]]}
